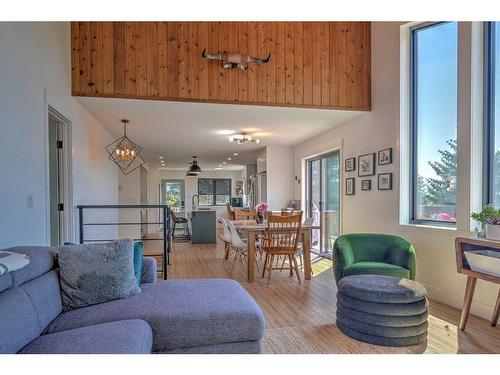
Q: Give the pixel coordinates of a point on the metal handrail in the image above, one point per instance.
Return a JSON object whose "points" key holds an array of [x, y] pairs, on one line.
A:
{"points": [[165, 221]]}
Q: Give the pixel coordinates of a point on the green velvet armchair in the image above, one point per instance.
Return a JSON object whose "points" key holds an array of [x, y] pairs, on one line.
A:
{"points": [[373, 254]]}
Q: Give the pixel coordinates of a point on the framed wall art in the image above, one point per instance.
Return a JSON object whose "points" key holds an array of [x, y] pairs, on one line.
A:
{"points": [[385, 156], [350, 164], [349, 186], [366, 185], [385, 181], [366, 165]]}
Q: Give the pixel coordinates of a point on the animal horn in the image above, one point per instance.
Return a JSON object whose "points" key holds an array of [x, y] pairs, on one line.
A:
{"points": [[210, 56], [256, 60]]}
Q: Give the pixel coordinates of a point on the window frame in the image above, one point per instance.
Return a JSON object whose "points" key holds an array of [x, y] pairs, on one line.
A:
{"points": [[214, 191], [489, 111], [414, 129]]}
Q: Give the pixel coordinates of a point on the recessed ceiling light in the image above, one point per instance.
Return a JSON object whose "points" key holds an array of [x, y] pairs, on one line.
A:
{"points": [[235, 154], [218, 168], [228, 158], [160, 157], [224, 162]]}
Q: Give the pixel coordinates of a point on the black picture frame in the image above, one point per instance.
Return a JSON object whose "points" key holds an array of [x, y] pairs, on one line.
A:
{"points": [[366, 185], [370, 158], [389, 186], [351, 161], [384, 156], [349, 191]]}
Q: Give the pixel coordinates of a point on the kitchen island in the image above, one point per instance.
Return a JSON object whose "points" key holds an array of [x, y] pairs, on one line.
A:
{"points": [[203, 226]]}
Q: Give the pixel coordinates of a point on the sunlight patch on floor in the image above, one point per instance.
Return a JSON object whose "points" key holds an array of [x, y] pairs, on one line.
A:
{"points": [[320, 265], [444, 333]]}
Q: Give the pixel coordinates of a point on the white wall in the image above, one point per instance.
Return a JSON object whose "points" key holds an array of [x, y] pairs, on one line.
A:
{"points": [[35, 67], [261, 167], [129, 192], [280, 170], [378, 211]]}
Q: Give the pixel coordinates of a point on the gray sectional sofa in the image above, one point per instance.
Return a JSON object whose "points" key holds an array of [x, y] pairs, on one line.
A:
{"points": [[173, 316]]}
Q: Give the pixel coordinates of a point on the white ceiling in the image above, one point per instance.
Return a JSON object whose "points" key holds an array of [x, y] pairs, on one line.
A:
{"points": [[178, 130]]}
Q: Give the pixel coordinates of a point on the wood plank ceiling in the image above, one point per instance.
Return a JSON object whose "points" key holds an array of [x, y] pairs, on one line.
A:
{"points": [[313, 64]]}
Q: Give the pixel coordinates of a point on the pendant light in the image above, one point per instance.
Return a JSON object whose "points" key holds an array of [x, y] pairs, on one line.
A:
{"points": [[194, 167], [125, 153]]}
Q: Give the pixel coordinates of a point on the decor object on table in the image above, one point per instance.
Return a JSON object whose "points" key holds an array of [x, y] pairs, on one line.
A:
{"points": [[373, 254], [382, 310], [234, 60], [194, 168], [125, 153], [385, 156], [96, 273], [465, 265], [384, 181], [349, 186], [33, 322], [366, 165], [350, 164], [10, 261], [489, 218], [261, 212], [366, 185]]}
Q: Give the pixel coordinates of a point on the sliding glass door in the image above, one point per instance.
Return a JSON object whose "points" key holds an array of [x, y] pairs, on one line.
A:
{"points": [[323, 204]]}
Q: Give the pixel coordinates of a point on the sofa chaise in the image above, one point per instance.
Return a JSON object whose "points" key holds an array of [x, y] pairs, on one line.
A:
{"points": [[173, 316]]}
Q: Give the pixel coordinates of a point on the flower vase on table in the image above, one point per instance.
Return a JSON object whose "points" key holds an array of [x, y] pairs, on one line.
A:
{"points": [[261, 210]]}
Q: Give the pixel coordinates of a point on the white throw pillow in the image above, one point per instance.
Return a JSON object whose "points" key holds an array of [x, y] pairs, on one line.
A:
{"points": [[10, 261]]}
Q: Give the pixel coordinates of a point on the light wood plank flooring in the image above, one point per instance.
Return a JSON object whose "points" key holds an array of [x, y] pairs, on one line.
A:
{"points": [[300, 318]]}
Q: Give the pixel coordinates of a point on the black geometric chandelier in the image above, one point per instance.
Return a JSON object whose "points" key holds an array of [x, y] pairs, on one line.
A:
{"points": [[125, 153]]}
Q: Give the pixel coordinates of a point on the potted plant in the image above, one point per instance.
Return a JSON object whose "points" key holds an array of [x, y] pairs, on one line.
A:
{"points": [[261, 211], [489, 217]]}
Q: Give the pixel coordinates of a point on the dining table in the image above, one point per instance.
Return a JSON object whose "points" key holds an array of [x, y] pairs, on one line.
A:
{"points": [[252, 229]]}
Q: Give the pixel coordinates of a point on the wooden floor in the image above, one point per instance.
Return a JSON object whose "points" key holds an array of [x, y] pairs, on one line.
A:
{"points": [[300, 318]]}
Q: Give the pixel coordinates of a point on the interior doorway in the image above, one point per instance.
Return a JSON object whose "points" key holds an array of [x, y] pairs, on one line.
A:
{"points": [[59, 170], [323, 200]]}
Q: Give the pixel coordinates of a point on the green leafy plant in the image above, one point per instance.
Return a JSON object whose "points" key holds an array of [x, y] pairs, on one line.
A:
{"points": [[488, 215]]}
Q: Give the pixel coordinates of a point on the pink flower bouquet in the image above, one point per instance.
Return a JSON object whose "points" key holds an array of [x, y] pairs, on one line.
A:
{"points": [[262, 207]]}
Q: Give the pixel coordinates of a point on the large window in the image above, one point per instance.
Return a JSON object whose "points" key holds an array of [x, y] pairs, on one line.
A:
{"points": [[434, 122], [492, 115], [214, 191]]}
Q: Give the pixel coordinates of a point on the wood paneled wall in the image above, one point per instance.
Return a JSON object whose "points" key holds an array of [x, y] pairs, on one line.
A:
{"points": [[313, 64]]}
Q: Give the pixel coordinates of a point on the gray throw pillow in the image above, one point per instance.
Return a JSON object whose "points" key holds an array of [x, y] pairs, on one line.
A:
{"points": [[96, 273]]}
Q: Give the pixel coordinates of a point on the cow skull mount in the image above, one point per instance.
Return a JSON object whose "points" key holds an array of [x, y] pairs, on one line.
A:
{"points": [[234, 60]]}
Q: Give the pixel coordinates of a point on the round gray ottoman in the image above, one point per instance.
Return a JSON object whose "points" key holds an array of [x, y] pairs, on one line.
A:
{"points": [[382, 310]]}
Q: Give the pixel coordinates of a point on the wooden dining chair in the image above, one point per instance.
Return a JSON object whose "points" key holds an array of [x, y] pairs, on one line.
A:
{"points": [[300, 247], [287, 211], [280, 239], [245, 214]]}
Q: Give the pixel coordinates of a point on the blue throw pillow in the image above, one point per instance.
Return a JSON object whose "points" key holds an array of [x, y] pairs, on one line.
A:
{"points": [[138, 254]]}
